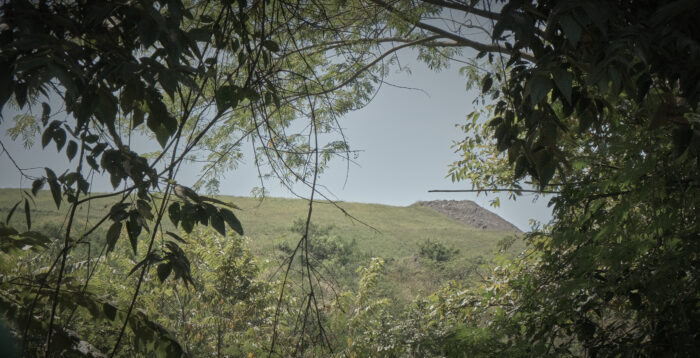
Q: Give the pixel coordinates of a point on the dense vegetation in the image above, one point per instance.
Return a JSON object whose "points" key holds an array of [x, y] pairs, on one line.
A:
{"points": [[595, 102]]}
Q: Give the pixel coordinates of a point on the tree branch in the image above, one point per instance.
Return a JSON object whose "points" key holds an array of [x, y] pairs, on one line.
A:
{"points": [[461, 41]]}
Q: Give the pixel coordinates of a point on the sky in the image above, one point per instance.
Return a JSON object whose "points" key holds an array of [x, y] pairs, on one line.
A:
{"points": [[404, 137]]}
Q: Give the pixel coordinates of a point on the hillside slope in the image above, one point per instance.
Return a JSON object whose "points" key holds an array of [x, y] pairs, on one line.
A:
{"points": [[382, 230], [393, 233]]}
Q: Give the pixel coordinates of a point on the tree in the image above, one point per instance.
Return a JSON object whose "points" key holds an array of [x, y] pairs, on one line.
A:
{"points": [[605, 116], [115, 67]]}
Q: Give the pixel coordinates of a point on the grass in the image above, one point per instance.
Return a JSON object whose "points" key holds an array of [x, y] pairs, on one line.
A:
{"points": [[393, 233]]}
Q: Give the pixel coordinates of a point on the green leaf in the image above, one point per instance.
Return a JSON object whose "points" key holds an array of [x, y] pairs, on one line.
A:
{"points": [[231, 220], [201, 34], [168, 82], [563, 79], [113, 235], [537, 88], [226, 97], [545, 167], [91, 138], [59, 136], [585, 120], [55, 187], [174, 213], [144, 209], [188, 224], [45, 112], [12, 211], [217, 222], [201, 214], [571, 28], [148, 31], [118, 212], [27, 214], [272, 46], [106, 109], [162, 135], [46, 137], [92, 162], [109, 310], [37, 185], [34, 238], [176, 237], [486, 83], [164, 271], [139, 264], [72, 149], [133, 228]]}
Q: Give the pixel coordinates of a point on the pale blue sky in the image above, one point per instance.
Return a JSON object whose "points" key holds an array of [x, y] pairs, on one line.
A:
{"points": [[404, 135]]}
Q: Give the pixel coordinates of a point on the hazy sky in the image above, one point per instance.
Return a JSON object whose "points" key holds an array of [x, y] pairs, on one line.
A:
{"points": [[404, 135]]}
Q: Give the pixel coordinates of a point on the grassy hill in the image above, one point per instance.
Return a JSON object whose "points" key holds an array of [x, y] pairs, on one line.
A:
{"points": [[393, 233]]}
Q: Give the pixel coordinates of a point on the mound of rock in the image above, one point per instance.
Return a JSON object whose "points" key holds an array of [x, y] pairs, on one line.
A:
{"points": [[470, 213]]}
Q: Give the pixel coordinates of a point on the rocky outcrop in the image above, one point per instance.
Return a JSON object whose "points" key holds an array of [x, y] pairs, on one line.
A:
{"points": [[470, 213]]}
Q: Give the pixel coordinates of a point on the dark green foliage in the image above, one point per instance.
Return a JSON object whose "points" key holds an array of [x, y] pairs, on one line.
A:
{"points": [[605, 115], [322, 245], [436, 251]]}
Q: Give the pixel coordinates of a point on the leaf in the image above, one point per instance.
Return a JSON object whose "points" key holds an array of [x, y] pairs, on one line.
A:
{"points": [[537, 88], [571, 28], [12, 211], [46, 137], [174, 213], [563, 79], [109, 310], [231, 220], [113, 235], [188, 224], [148, 31], [92, 162], [144, 209], [164, 271], [486, 83], [59, 136], [137, 117], [35, 238], [201, 34], [27, 215], [91, 138], [118, 211], [176, 237], [545, 167], [585, 120], [272, 46], [55, 187], [162, 135], [168, 81], [226, 97], [201, 214], [37, 185], [217, 222], [133, 228], [45, 112], [72, 149], [136, 267]]}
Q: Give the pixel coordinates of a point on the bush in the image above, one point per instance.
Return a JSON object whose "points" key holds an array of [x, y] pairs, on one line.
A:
{"points": [[436, 251]]}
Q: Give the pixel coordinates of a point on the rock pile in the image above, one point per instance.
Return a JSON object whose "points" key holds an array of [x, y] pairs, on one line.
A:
{"points": [[470, 213]]}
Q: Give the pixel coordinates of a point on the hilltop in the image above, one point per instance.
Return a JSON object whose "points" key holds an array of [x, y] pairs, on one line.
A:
{"points": [[470, 213]]}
